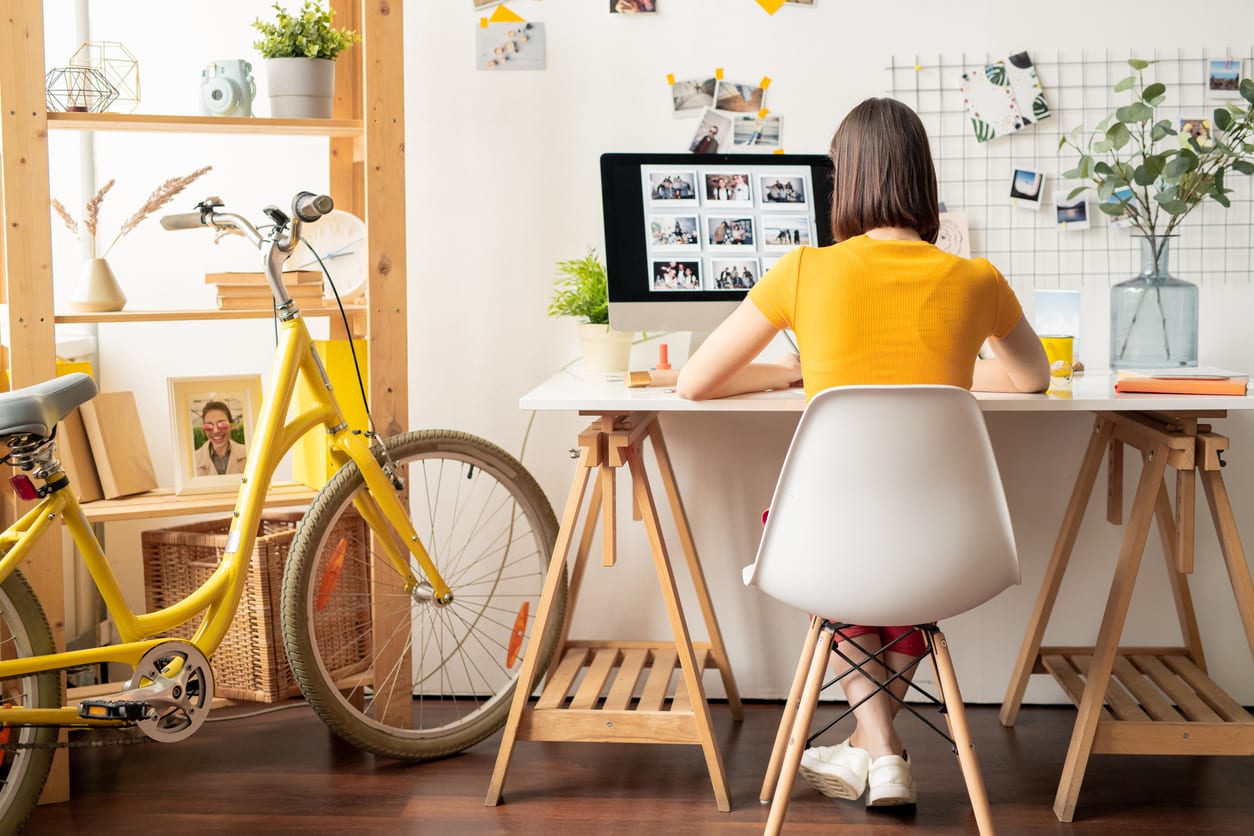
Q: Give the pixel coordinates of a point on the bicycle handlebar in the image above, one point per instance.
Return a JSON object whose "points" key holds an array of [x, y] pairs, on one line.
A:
{"points": [[183, 220], [309, 207]]}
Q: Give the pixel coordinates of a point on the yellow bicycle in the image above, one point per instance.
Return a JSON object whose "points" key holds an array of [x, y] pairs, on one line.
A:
{"points": [[408, 595]]}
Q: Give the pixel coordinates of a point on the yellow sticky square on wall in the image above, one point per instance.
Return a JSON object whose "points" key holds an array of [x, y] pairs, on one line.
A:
{"points": [[311, 460]]}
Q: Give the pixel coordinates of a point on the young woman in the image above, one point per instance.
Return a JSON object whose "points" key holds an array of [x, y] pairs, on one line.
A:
{"points": [[883, 305]]}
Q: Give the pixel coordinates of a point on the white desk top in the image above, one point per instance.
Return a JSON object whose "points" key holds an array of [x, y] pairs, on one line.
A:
{"points": [[571, 389]]}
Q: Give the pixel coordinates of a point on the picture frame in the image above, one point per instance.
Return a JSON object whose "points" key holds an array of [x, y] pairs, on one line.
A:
{"points": [[1027, 187], [195, 400], [1223, 78]]}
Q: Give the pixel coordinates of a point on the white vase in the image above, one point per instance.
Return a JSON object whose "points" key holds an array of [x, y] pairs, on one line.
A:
{"points": [[300, 88], [98, 289], [604, 349]]}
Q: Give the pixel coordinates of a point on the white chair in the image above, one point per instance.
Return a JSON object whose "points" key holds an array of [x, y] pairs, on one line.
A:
{"points": [[889, 511]]}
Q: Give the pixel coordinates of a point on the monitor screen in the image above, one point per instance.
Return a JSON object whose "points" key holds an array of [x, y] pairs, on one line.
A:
{"points": [[686, 235]]}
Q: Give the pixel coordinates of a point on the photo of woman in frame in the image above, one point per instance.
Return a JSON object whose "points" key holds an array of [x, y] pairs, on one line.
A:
{"points": [[213, 420]]}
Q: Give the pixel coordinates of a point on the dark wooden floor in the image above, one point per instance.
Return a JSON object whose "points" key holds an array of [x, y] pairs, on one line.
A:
{"points": [[283, 773]]}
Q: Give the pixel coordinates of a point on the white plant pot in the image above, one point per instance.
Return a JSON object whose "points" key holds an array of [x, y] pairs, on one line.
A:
{"points": [[300, 88], [98, 289], [604, 349]]}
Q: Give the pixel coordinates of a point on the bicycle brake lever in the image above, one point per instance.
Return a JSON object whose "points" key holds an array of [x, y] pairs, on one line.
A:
{"points": [[278, 216]]}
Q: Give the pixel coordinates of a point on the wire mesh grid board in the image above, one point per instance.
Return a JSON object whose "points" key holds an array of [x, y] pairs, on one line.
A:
{"points": [[1213, 246]]}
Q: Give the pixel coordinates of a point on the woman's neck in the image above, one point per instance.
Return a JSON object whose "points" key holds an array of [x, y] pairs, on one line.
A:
{"points": [[893, 233]]}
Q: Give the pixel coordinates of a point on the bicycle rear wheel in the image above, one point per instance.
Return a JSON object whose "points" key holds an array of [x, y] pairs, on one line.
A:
{"points": [[24, 633], [490, 530]]}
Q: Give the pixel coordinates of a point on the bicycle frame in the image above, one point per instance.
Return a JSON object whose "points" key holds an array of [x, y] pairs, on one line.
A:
{"points": [[219, 596]]}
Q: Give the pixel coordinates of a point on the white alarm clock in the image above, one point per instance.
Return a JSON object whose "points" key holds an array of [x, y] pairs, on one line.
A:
{"points": [[339, 239]]}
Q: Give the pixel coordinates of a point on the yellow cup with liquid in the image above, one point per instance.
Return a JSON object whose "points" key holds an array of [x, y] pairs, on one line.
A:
{"points": [[1059, 350]]}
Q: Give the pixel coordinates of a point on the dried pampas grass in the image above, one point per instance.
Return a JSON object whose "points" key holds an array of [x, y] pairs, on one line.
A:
{"points": [[163, 195]]}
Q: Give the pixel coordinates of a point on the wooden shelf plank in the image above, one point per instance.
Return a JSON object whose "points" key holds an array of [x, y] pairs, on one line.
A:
{"points": [[250, 125], [166, 503], [186, 315]]}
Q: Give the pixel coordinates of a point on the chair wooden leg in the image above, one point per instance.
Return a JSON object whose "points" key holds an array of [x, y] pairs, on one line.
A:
{"points": [[790, 710], [800, 730], [956, 716]]}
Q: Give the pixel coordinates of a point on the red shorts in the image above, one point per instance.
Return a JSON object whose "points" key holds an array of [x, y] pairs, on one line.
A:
{"points": [[912, 645]]}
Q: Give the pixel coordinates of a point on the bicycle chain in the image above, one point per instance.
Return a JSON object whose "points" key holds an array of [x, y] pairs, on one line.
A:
{"points": [[99, 739]]}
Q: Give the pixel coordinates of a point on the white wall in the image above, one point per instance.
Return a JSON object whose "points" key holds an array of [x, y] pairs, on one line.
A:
{"points": [[503, 181]]}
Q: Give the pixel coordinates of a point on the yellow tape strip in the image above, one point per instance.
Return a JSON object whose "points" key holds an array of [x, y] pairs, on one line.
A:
{"points": [[765, 82], [779, 150], [483, 23], [718, 73], [762, 113], [670, 79]]}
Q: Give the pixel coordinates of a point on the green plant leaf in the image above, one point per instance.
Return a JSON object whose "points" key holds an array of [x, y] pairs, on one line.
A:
{"points": [[1102, 167], [1102, 146], [1181, 165], [1142, 176], [1246, 89], [1135, 112], [1118, 135], [580, 290], [1158, 131], [1106, 189], [1125, 84], [1175, 207], [1138, 63], [1244, 166], [1111, 208], [1078, 190], [1153, 91], [1223, 119], [1071, 174]]}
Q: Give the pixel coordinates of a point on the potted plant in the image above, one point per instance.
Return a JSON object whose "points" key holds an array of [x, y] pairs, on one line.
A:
{"points": [[299, 52], [581, 291], [1150, 175]]}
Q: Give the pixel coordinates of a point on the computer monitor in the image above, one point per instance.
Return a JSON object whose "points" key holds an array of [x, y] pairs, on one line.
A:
{"points": [[686, 235]]}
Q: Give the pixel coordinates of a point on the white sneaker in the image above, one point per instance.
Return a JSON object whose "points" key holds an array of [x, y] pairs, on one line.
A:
{"points": [[838, 771], [890, 781]]}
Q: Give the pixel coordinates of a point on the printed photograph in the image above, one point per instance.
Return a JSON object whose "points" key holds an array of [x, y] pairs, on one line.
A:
{"points": [[785, 231], [735, 97], [673, 188], [1071, 213], [728, 188], [677, 275], [751, 133], [1026, 188], [1193, 128], [713, 133], [483, 4], [212, 420], [735, 273], [809, 3], [633, 7], [776, 190], [729, 232], [1223, 78], [509, 46], [674, 232], [690, 97]]}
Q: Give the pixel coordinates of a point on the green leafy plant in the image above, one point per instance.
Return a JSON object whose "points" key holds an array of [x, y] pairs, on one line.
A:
{"points": [[580, 290], [306, 35], [1146, 171]]}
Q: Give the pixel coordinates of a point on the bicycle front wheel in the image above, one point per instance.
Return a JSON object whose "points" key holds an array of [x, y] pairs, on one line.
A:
{"points": [[24, 766], [448, 672]]}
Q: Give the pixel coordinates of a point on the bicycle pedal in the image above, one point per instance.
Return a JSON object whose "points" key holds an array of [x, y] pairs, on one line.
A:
{"points": [[106, 709]]}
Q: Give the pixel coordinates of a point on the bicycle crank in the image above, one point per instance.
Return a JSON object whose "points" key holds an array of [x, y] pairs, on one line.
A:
{"points": [[168, 697]]}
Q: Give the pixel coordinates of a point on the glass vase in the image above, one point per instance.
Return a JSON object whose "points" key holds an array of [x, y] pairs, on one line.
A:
{"points": [[1153, 316]]}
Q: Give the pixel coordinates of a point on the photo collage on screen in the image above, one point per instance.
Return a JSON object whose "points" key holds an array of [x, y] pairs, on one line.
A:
{"points": [[712, 228]]}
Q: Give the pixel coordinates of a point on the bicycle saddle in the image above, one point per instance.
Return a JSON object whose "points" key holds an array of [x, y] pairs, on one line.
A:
{"points": [[37, 409]]}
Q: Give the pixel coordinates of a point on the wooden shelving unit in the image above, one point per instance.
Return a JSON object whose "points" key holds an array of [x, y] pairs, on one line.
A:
{"points": [[67, 318], [166, 503], [366, 140]]}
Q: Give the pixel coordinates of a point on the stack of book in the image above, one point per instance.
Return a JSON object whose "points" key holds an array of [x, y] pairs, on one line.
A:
{"points": [[1197, 380], [250, 291]]}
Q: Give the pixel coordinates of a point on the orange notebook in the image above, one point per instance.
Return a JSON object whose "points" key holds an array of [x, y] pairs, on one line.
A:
{"points": [[1198, 380]]}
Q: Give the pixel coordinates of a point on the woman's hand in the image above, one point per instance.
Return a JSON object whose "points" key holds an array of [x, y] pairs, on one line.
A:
{"points": [[791, 365]]}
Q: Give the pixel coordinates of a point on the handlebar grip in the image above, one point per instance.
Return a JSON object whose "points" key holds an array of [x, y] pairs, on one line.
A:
{"points": [[309, 207], [183, 220]]}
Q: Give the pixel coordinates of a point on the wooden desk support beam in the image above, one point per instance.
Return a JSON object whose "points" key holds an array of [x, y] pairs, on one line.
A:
{"points": [[626, 693], [1143, 700]]}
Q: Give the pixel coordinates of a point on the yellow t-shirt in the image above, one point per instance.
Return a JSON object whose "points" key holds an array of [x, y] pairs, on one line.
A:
{"points": [[867, 311]]}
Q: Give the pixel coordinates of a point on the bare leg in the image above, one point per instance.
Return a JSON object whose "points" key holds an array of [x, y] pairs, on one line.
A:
{"points": [[874, 731]]}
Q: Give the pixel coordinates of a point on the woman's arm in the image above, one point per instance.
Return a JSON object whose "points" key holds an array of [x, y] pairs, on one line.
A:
{"points": [[1018, 365], [722, 367]]}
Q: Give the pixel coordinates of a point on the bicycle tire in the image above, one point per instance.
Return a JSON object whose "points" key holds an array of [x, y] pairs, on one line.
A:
{"points": [[490, 530], [25, 632]]}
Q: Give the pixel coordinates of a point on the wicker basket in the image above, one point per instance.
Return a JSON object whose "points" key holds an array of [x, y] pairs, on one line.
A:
{"points": [[251, 663]]}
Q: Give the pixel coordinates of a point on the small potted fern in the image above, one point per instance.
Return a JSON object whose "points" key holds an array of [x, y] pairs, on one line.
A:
{"points": [[299, 52], [580, 291]]}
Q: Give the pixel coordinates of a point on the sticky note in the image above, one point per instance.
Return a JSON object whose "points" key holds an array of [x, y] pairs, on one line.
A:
{"points": [[718, 73], [483, 23], [504, 15], [670, 79]]}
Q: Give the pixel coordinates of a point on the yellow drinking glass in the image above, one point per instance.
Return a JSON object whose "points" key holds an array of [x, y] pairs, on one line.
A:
{"points": [[1058, 349]]}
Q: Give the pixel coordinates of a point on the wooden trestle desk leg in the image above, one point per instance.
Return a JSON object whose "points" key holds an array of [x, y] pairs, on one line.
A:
{"points": [[1029, 653], [607, 446]]}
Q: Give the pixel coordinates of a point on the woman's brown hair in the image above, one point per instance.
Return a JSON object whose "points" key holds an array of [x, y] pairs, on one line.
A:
{"points": [[883, 172]]}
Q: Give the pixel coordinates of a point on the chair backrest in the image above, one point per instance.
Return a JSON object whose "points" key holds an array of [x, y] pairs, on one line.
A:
{"points": [[889, 509]]}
